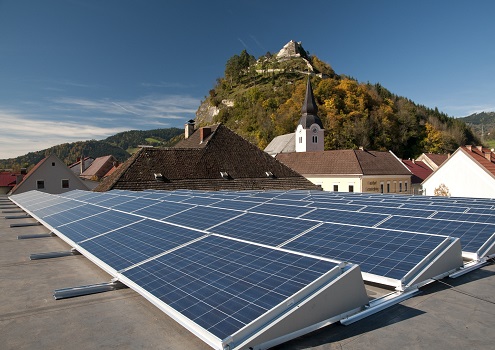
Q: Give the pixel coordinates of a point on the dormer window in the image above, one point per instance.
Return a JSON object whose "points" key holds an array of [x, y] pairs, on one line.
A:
{"points": [[158, 176], [224, 175]]}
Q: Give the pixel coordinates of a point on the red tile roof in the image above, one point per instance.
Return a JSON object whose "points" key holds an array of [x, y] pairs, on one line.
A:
{"points": [[419, 169], [483, 156], [344, 162], [33, 170], [437, 159], [99, 167], [8, 179]]}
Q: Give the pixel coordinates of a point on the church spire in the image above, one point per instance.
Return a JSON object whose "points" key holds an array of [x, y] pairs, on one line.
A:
{"points": [[309, 109], [309, 106]]}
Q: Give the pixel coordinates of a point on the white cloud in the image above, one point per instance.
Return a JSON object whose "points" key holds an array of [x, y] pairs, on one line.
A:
{"points": [[20, 135]]}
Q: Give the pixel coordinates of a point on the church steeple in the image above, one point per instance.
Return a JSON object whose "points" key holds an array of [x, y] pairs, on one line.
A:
{"points": [[309, 109], [309, 133]]}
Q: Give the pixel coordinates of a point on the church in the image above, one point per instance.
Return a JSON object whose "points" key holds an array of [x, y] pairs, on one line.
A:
{"points": [[348, 170]]}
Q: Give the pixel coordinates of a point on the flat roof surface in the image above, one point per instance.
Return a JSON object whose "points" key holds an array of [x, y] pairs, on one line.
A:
{"points": [[441, 317]]}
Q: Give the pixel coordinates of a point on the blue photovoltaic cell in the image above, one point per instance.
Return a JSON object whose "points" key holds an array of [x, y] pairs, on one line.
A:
{"points": [[112, 201], [335, 205], [161, 210], [381, 252], [73, 214], [200, 200], [281, 210], [132, 244], [345, 217], [472, 235], [73, 194], [398, 211], [470, 217], [264, 229], [91, 197], [56, 208], [202, 217], [289, 202], [224, 285], [481, 211], [376, 203], [435, 207], [135, 204], [97, 224], [234, 204]]}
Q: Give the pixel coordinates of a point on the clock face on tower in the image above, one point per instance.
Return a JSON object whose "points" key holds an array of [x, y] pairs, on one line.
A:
{"points": [[315, 130]]}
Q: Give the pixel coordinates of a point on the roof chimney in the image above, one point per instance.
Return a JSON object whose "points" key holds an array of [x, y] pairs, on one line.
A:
{"points": [[204, 133], [469, 147], [188, 128], [480, 148], [82, 163], [488, 156]]}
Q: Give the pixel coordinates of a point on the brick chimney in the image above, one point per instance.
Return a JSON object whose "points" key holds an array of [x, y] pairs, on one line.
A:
{"points": [[204, 133], [188, 128], [480, 148], [469, 147]]}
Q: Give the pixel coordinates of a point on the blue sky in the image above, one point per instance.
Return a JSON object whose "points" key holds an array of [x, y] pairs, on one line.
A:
{"points": [[86, 69]]}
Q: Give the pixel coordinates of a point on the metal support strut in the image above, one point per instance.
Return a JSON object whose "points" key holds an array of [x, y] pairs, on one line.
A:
{"points": [[86, 290], [51, 255], [37, 235]]}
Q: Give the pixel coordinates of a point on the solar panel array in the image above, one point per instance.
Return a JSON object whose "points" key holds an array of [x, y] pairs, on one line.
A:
{"points": [[224, 259]]}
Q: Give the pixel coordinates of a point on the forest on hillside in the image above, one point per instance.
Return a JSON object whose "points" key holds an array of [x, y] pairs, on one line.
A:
{"points": [[120, 145], [265, 98]]}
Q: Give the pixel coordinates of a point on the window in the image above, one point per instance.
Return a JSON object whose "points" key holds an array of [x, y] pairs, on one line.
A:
{"points": [[351, 188], [65, 183], [40, 184], [315, 139], [300, 139], [336, 188], [405, 186], [53, 163], [381, 187], [400, 186], [388, 187]]}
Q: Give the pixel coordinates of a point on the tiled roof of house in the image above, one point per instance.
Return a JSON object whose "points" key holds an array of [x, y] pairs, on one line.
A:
{"points": [[419, 170], [438, 159], [99, 167], [344, 162], [198, 164], [7, 179], [483, 156]]}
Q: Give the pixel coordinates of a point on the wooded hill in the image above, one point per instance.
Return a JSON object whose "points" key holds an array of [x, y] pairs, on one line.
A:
{"points": [[120, 145], [483, 124], [261, 99]]}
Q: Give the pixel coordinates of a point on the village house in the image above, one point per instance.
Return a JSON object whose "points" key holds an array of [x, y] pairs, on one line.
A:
{"points": [[420, 171], [468, 172], [50, 175]]}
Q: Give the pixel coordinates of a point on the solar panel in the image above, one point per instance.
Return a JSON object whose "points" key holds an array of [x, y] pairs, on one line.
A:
{"points": [[137, 242], [470, 217], [472, 235], [281, 210], [200, 200], [381, 252], [224, 285], [202, 217], [134, 204], [345, 217], [264, 229], [78, 212], [161, 210], [92, 226], [418, 213], [333, 205]]}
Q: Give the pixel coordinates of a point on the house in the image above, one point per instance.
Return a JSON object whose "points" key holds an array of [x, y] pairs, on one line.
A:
{"points": [[8, 180], [351, 170], [50, 175], [79, 167], [420, 171], [99, 168], [468, 172], [432, 160], [210, 158]]}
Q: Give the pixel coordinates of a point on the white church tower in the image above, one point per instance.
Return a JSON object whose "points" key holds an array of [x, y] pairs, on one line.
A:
{"points": [[309, 133]]}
